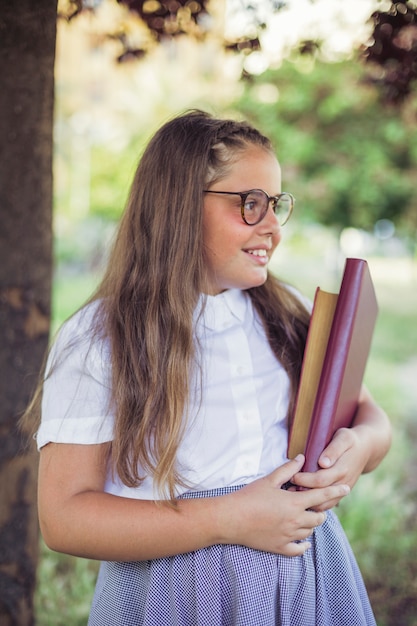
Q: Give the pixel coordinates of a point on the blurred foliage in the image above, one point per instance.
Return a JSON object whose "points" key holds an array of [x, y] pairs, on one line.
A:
{"points": [[380, 514], [393, 50], [112, 172], [64, 589], [391, 53], [167, 19], [349, 160]]}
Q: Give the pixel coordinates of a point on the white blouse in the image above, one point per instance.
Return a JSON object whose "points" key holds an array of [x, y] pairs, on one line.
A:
{"points": [[236, 435]]}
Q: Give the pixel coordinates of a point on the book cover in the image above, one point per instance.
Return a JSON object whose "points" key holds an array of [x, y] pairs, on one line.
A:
{"points": [[338, 381]]}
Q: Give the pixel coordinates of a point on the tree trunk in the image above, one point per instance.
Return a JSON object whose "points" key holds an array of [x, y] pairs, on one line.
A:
{"points": [[27, 54]]}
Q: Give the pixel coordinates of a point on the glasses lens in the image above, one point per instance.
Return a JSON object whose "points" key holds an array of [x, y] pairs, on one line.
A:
{"points": [[255, 207], [283, 208]]}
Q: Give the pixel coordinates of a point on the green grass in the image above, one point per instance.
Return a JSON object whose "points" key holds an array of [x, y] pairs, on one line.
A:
{"points": [[379, 516], [64, 590]]}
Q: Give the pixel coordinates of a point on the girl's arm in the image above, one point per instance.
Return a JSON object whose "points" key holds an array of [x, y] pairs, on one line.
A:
{"points": [[77, 517], [352, 451]]}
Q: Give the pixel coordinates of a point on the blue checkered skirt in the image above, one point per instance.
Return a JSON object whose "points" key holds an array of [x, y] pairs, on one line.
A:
{"points": [[236, 586]]}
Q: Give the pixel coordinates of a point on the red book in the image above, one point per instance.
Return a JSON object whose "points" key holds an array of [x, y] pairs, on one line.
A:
{"points": [[337, 349]]}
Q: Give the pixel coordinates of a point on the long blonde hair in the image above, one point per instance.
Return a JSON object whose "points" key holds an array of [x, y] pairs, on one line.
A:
{"points": [[149, 293]]}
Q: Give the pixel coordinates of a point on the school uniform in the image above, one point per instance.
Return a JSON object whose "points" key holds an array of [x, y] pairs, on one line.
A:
{"points": [[236, 433]]}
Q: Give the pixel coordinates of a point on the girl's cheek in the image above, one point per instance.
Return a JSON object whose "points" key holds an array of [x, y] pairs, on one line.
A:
{"points": [[276, 240]]}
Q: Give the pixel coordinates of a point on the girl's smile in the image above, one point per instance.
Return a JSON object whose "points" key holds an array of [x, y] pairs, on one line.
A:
{"points": [[261, 254], [237, 255]]}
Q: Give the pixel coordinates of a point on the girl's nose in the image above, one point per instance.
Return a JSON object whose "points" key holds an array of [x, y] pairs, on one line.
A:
{"points": [[270, 223]]}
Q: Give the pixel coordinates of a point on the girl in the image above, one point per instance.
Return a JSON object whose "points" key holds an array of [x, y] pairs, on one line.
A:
{"points": [[166, 405]]}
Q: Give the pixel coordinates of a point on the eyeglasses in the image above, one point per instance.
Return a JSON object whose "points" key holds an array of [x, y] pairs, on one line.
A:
{"points": [[255, 202]]}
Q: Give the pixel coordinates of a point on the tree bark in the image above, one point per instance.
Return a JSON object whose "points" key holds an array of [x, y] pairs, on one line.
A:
{"points": [[27, 54]]}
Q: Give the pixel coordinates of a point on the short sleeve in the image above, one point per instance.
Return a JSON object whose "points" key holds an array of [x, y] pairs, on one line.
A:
{"points": [[76, 392]]}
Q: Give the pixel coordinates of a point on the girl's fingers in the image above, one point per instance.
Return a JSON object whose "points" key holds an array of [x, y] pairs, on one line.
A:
{"points": [[284, 473], [276, 520], [317, 497], [296, 548], [319, 518], [341, 442]]}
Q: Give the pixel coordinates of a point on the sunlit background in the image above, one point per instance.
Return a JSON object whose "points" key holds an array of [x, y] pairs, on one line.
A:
{"points": [[349, 159]]}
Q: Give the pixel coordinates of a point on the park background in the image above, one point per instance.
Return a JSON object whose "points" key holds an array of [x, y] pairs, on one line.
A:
{"points": [[349, 158]]}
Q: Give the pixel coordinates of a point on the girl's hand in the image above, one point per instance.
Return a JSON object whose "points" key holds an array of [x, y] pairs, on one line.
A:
{"points": [[352, 451], [342, 462], [264, 516]]}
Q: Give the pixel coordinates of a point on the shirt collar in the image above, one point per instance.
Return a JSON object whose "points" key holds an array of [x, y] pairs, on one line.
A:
{"points": [[224, 310]]}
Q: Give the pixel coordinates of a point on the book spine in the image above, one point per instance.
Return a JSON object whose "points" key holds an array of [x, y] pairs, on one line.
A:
{"points": [[335, 362]]}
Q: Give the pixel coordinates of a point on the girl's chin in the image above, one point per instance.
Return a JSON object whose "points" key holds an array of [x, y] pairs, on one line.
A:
{"points": [[256, 282], [254, 279], [258, 279]]}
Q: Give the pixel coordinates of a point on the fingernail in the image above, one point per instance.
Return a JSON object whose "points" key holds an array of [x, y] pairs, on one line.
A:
{"points": [[299, 457], [346, 489], [325, 461]]}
